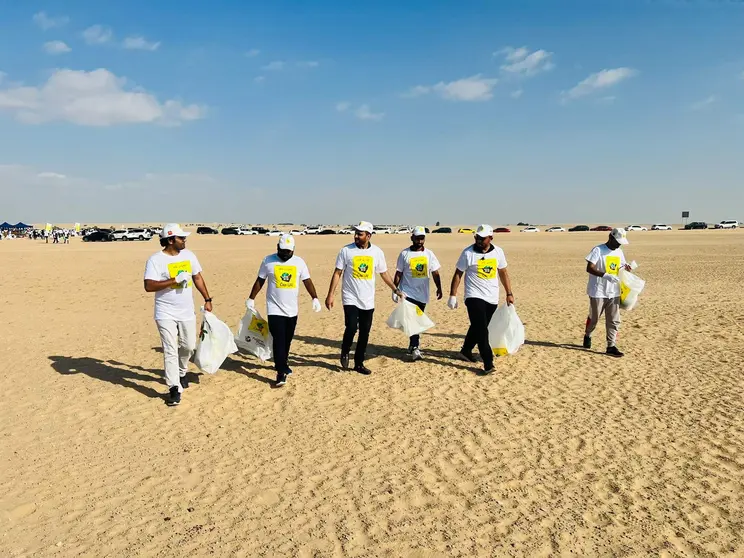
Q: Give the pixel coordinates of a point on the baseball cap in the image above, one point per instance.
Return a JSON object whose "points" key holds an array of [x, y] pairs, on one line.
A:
{"points": [[286, 242], [620, 235], [364, 226], [484, 231], [419, 231], [173, 229]]}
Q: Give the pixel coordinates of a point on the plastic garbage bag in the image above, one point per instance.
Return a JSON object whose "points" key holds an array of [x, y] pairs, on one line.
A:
{"points": [[215, 343], [630, 287], [409, 318], [254, 336], [505, 331]]}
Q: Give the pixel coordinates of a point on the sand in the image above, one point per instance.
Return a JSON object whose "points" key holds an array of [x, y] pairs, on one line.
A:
{"points": [[561, 452]]}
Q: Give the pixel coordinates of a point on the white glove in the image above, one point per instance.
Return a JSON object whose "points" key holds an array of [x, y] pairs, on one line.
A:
{"points": [[452, 302], [316, 305], [395, 298], [183, 278], [250, 304], [611, 278]]}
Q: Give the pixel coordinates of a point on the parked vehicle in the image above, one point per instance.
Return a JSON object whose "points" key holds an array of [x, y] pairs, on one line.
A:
{"points": [[405, 230], [97, 236], [312, 230], [466, 231], [728, 225], [579, 228], [274, 233], [137, 234], [661, 227], [696, 225], [295, 232], [442, 230], [229, 230], [346, 231], [326, 231], [258, 230], [501, 230], [556, 229], [381, 229], [206, 230], [530, 230], [635, 228], [118, 234], [602, 228]]}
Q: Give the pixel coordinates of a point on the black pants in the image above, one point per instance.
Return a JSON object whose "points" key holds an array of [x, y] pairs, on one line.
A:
{"points": [[282, 330], [415, 339], [356, 318], [480, 313]]}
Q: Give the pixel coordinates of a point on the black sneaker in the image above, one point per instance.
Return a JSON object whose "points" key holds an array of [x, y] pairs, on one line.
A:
{"points": [[416, 354], [174, 397], [587, 342], [345, 362], [614, 352], [184, 382], [289, 371], [281, 379], [490, 370], [470, 357], [362, 369]]}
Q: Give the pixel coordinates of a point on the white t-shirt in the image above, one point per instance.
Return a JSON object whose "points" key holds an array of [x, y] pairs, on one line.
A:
{"points": [[173, 303], [606, 261], [481, 276], [415, 269], [283, 284], [360, 268]]}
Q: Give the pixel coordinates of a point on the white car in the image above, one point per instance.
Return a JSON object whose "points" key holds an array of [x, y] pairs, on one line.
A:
{"points": [[556, 229], [249, 232], [274, 233], [405, 230], [727, 225], [635, 228], [530, 230], [346, 231], [382, 230], [118, 234], [295, 232], [137, 234], [312, 230], [661, 227]]}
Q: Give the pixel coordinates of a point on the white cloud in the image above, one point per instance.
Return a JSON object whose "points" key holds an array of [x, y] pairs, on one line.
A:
{"points": [[56, 47], [2, 76], [253, 53], [522, 62], [96, 98], [516, 94], [51, 175], [274, 66], [140, 43], [343, 106], [599, 81], [364, 113], [705, 103], [308, 64], [259, 79], [98, 35], [474, 88], [45, 22]]}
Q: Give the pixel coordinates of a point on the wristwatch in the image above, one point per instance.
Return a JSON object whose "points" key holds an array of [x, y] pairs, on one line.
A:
{"points": [[207, 300]]}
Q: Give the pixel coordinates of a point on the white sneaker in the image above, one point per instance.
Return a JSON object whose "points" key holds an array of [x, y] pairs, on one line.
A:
{"points": [[416, 354]]}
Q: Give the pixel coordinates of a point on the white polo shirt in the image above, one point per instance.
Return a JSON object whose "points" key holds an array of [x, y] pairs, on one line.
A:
{"points": [[360, 268], [416, 269], [173, 303], [481, 272]]}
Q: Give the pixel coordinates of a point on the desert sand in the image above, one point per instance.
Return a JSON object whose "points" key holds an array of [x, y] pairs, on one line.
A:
{"points": [[562, 451]]}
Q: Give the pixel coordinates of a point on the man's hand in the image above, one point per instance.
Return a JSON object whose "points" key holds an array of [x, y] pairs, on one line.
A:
{"points": [[329, 302], [208, 306], [439, 294], [611, 278], [250, 304], [183, 279], [316, 305], [628, 267], [452, 302], [395, 298], [510, 300]]}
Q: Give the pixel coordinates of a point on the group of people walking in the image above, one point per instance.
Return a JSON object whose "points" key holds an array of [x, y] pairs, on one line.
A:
{"points": [[173, 272]]}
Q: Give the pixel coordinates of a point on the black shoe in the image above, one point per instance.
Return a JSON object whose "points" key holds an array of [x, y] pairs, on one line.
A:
{"points": [[184, 382], [174, 397], [281, 379], [587, 342], [470, 357], [345, 362], [288, 371], [486, 371], [614, 352], [362, 369]]}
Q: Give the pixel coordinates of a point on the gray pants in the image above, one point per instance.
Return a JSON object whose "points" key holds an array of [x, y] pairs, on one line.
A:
{"points": [[611, 309], [179, 342]]}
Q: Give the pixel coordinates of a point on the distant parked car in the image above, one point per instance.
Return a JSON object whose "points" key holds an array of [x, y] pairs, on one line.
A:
{"points": [[556, 229], [442, 230], [661, 227], [404, 230], [635, 228], [382, 230], [326, 231], [118, 234], [137, 234], [501, 230], [206, 230], [579, 228], [602, 228], [728, 225], [274, 233], [295, 232], [696, 225], [466, 231], [229, 230], [530, 230], [259, 230], [97, 236], [312, 230]]}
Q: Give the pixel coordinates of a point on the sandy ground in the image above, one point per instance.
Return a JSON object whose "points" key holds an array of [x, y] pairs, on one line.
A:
{"points": [[561, 452]]}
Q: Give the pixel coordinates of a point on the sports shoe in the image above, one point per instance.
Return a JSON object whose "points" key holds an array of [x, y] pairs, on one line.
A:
{"points": [[345, 362], [174, 397], [487, 371], [614, 352], [416, 354], [587, 342], [470, 357], [289, 371], [184, 382], [281, 379], [362, 369]]}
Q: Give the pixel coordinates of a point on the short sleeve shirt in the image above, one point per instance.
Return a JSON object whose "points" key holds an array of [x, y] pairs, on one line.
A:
{"points": [[283, 284], [606, 261], [174, 303], [481, 272], [416, 269], [360, 268]]}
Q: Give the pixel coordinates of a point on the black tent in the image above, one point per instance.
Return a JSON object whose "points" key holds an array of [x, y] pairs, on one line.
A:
{"points": [[6, 226], [20, 225]]}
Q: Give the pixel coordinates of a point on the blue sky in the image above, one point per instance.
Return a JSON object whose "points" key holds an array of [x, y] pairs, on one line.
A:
{"points": [[409, 112]]}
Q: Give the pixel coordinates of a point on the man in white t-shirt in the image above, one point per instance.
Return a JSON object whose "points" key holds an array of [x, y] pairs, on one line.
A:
{"points": [[284, 272], [603, 265], [416, 264], [483, 265], [358, 263], [170, 274]]}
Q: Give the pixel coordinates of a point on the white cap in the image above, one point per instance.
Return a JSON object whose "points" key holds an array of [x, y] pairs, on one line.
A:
{"points": [[173, 229], [419, 231], [484, 231], [620, 235], [286, 242], [364, 226]]}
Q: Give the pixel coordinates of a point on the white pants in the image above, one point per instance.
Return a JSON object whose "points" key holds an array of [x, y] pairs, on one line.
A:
{"points": [[179, 342]]}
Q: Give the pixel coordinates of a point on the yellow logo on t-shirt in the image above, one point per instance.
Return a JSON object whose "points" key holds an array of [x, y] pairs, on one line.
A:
{"points": [[259, 326], [420, 267], [363, 267], [177, 267], [612, 264], [285, 276], [487, 268]]}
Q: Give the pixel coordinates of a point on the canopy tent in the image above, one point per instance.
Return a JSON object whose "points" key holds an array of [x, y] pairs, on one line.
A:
{"points": [[20, 225], [6, 226]]}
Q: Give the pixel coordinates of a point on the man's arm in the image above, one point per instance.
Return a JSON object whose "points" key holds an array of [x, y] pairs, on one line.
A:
{"points": [[153, 286], [397, 278], [335, 278], [438, 283], [456, 277], [506, 281], [201, 286], [256, 287], [389, 282], [591, 269], [310, 287]]}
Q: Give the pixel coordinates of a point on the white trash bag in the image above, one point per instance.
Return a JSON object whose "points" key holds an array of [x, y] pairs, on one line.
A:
{"points": [[215, 343], [506, 331], [253, 335], [409, 318], [630, 287]]}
